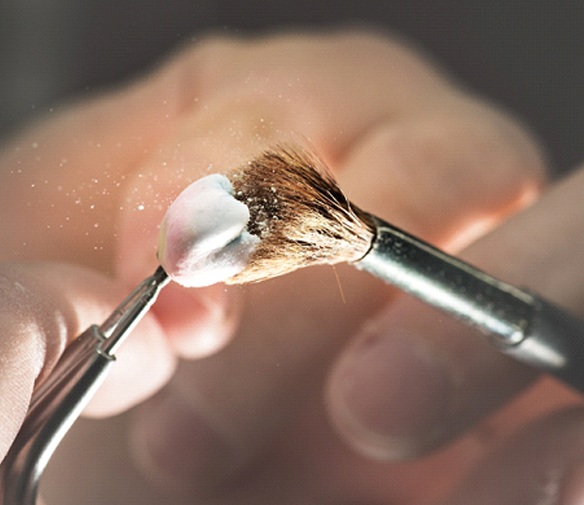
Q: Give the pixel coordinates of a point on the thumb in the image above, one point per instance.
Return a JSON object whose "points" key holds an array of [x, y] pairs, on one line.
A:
{"points": [[413, 380], [45, 306]]}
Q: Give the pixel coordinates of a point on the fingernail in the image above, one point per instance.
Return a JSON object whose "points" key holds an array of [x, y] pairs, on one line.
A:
{"points": [[176, 447], [391, 396], [572, 486]]}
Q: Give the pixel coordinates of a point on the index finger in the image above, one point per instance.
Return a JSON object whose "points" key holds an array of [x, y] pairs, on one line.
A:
{"points": [[397, 132]]}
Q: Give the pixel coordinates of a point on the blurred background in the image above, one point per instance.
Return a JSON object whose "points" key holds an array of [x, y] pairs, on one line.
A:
{"points": [[526, 55]]}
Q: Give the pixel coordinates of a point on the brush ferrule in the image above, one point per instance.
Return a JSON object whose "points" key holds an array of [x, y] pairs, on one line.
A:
{"points": [[416, 267]]}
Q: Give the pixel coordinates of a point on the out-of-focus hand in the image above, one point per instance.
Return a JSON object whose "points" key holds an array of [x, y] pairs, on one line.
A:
{"points": [[42, 307], [248, 424]]}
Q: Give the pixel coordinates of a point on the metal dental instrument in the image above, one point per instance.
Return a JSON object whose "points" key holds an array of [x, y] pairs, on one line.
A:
{"points": [[516, 321], [60, 399]]}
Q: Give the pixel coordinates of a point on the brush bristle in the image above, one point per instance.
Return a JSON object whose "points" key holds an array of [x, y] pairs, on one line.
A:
{"points": [[300, 214]]}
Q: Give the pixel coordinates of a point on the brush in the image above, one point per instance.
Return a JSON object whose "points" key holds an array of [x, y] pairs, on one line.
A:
{"points": [[283, 211]]}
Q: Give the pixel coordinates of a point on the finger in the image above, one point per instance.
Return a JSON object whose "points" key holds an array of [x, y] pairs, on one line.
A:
{"points": [[267, 91], [274, 90], [43, 307], [414, 379], [219, 413], [540, 464], [448, 175], [62, 177]]}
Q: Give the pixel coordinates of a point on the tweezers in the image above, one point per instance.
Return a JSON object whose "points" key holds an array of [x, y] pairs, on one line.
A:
{"points": [[61, 398]]}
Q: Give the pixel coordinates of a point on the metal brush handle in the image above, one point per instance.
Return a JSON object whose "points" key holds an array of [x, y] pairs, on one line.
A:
{"points": [[518, 322]]}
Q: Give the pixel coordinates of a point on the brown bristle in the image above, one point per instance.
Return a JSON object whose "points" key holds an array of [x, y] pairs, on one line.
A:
{"points": [[300, 214]]}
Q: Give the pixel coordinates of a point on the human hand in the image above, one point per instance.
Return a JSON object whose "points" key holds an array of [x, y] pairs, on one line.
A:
{"points": [[405, 143]]}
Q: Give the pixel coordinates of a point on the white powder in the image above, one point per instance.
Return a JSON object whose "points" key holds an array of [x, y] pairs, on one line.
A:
{"points": [[203, 238]]}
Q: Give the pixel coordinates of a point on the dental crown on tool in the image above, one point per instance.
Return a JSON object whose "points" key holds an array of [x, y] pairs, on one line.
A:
{"points": [[279, 212]]}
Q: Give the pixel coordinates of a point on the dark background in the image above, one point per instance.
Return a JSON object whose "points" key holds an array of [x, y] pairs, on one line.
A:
{"points": [[525, 55]]}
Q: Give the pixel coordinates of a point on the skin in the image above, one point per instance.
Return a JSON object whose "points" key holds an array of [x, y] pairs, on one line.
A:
{"points": [[324, 386]]}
